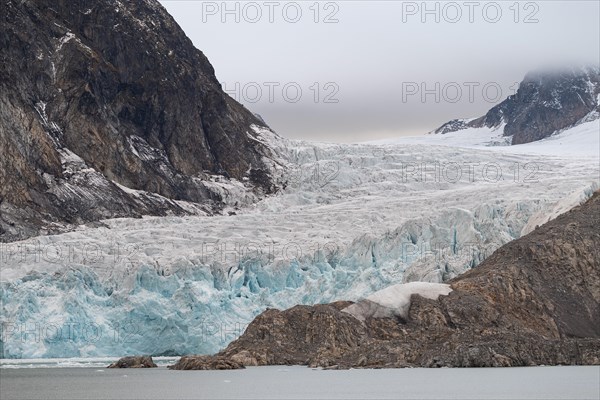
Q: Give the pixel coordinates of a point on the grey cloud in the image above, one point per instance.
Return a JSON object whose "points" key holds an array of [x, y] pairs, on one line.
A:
{"points": [[376, 51]]}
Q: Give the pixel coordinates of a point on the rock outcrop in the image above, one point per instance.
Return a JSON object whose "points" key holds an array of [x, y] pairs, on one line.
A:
{"points": [[545, 102], [108, 110], [134, 362], [206, 363], [535, 301]]}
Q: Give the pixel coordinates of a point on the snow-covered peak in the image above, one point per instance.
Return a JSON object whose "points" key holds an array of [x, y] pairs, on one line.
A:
{"points": [[545, 102]]}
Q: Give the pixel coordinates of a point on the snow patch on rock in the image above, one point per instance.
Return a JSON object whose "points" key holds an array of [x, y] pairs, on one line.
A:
{"points": [[394, 301]]}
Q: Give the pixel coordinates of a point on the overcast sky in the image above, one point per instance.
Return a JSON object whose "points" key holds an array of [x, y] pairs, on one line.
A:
{"points": [[349, 71]]}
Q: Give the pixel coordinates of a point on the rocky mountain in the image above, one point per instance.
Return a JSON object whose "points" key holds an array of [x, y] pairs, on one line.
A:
{"points": [[108, 110], [545, 102], [536, 300]]}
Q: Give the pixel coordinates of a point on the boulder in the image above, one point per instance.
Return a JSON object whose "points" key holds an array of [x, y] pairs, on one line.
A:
{"points": [[134, 362], [196, 362]]}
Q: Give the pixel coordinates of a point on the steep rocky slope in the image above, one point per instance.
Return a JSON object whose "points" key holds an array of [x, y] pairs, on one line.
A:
{"points": [[545, 102], [102, 99], [534, 301]]}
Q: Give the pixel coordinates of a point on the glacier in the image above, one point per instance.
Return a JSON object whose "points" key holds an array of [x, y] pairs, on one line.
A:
{"points": [[349, 220]]}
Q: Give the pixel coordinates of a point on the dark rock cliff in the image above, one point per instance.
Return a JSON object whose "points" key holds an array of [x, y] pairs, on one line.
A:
{"points": [[544, 103], [100, 93], [536, 300]]}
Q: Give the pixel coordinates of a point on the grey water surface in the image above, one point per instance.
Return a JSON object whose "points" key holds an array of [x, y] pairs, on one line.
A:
{"points": [[565, 382]]}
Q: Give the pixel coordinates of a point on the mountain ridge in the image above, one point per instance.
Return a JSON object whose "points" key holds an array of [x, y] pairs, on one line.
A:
{"points": [[108, 110], [545, 102]]}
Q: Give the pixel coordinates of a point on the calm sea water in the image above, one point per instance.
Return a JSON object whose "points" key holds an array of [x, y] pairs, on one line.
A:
{"points": [[300, 383]]}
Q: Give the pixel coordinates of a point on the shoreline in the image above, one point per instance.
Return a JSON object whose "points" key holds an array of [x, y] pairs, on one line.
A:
{"points": [[163, 363]]}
